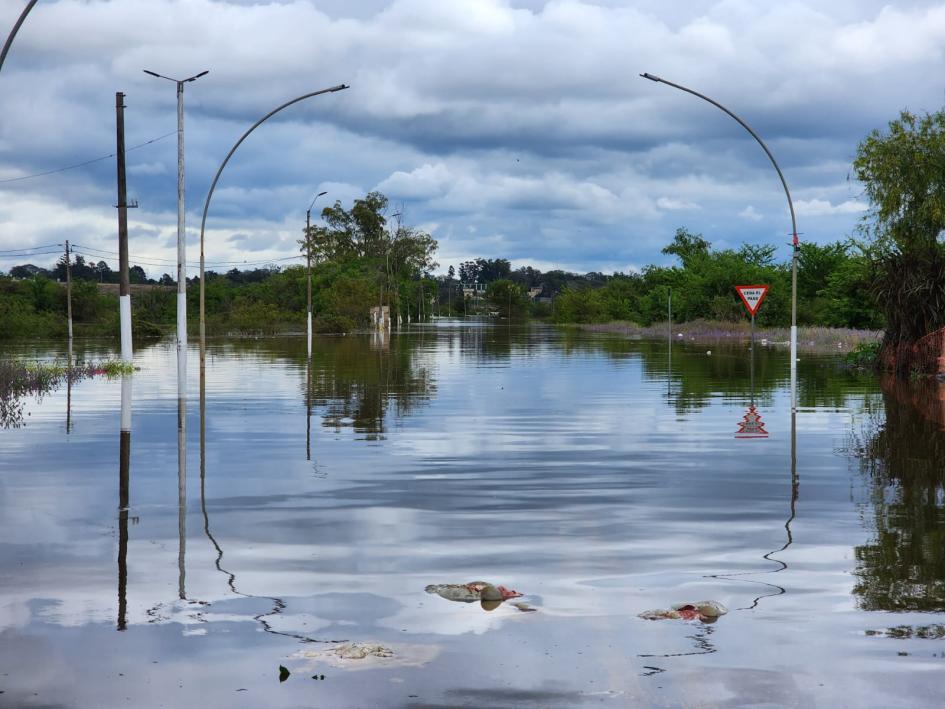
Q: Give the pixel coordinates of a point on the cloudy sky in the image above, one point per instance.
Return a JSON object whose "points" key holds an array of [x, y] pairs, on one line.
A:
{"points": [[506, 128]]}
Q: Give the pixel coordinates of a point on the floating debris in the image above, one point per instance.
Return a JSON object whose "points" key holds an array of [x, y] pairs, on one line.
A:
{"points": [[489, 596], [366, 654], [358, 651], [706, 611], [472, 591]]}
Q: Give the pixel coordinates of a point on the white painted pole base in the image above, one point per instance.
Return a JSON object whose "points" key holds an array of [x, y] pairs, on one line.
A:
{"points": [[182, 321], [126, 402], [794, 368], [308, 334], [124, 311]]}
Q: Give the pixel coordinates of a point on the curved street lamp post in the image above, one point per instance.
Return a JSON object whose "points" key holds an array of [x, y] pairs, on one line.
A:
{"points": [[206, 206], [308, 268], [794, 241], [16, 28]]}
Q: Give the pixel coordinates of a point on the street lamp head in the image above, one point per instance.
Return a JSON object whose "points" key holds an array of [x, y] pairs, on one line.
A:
{"points": [[314, 200], [651, 77], [161, 76], [339, 87]]}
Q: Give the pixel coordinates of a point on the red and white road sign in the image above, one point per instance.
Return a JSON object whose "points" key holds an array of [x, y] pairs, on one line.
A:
{"points": [[752, 297]]}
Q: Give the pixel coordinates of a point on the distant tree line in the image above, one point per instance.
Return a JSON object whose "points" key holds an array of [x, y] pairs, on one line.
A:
{"points": [[833, 287]]}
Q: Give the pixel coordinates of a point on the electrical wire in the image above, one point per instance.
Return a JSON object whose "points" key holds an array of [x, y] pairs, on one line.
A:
{"points": [[103, 253], [114, 254], [30, 248], [158, 262], [86, 162]]}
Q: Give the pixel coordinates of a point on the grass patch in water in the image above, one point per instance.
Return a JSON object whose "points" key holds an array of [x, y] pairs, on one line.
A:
{"points": [[19, 379]]}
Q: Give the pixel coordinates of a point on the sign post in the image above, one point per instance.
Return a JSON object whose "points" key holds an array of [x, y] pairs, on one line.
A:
{"points": [[752, 297], [751, 425]]}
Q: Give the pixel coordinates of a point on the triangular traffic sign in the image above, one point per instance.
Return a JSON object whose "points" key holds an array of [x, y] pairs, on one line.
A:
{"points": [[752, 297]]}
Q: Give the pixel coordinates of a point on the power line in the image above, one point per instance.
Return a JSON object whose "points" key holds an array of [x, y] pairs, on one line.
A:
{"points": [[30, 248], [83, 164], [10, 257], [113, 254], [157, 261]]}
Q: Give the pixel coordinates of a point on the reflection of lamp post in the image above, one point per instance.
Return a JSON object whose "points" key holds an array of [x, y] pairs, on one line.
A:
{"points": [[16, 28], [206, 206], [181, 237], [308, 268], [794, 241]]}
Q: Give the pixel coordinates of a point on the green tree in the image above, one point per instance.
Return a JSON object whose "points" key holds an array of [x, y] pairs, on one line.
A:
{"points": [[507, 298], [901, 171]]}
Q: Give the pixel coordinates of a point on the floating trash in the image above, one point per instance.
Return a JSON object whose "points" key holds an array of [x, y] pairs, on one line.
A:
{"points": [[367, 654], [706, 611], [489, 595]]}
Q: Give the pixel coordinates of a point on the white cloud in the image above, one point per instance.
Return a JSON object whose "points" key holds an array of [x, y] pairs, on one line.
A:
{"points": [[147, 168], [482, 116], [751, 214], [822, 207], [674, 205], [425, 182]]}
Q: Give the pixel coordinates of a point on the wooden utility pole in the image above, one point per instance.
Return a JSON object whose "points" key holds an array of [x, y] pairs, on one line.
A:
{"points": [[69, 296], [124, 289]]}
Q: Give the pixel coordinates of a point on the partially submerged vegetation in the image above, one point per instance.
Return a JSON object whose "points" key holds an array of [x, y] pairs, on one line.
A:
{"points": [[809, 339], [20, 379]]}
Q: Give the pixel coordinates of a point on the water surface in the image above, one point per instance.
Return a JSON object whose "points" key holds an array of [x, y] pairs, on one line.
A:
{"points": [[600, 477]]}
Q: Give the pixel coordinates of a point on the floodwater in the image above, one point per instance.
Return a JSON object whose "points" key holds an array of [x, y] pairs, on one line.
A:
{"points": [[599, 477]]}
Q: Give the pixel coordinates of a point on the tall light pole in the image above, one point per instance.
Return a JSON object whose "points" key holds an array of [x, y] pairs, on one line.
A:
{"points": [[308, 266], [794, 242], [206, 205], [181, 235], [16, 28]]}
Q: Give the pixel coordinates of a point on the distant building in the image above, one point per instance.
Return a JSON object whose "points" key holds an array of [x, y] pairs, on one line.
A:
{"points": [[473, 290]]}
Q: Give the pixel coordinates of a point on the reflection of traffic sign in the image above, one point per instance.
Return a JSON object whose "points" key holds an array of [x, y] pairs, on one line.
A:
{"points": [[751, 425], [752, 296]]}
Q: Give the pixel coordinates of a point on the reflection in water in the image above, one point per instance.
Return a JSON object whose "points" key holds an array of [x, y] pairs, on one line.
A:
{"points": [[355, 385], [308, 407], [902, 567], [700, 641], [278, 604], [19, 380], [362, 387], [751, 425], [795, 485], [69, 363], [181, 489], [124, 465], [789, 540]]}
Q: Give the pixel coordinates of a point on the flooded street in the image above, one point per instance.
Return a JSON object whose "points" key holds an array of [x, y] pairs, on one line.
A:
{"points": [[598, 477]]}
